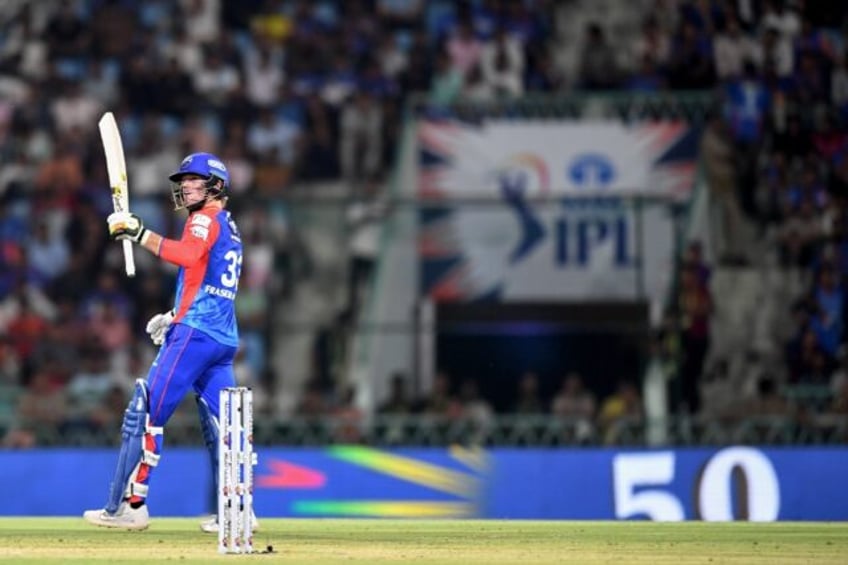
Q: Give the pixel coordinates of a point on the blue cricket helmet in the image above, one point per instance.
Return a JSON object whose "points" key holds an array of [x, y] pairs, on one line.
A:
{"points": [[206, 165]]}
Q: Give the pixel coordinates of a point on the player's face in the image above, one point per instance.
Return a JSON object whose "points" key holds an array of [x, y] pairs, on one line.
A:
{"points": [[193, 189]]}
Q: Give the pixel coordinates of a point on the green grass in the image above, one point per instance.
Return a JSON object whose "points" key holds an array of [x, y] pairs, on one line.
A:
{"points": [[68, 540]]}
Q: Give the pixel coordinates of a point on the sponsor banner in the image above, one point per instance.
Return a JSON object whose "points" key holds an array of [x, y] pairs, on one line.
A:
{"points": [[731, 483], [461, 160], [564, 249]]}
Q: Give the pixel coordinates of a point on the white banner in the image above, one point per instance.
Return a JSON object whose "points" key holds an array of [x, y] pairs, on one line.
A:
{"points": [[548, 159]]}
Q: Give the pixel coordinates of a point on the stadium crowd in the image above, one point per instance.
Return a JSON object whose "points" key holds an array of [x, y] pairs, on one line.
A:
{"points": [[292, 91]]}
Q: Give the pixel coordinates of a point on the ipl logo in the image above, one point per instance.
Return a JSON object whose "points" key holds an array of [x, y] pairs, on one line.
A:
{"points": [[527, 170], [525, 176]]}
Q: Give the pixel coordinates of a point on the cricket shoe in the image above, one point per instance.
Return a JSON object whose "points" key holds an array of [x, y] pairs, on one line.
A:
{"points": [[210, 525], [126, 518]]}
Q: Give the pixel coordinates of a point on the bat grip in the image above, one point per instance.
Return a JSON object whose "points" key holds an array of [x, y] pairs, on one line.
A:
{"points": [[129, 260]]}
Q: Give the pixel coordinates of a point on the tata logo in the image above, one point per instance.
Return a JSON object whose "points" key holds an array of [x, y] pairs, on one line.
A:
{"points": [[216, 164], [591, 170]]}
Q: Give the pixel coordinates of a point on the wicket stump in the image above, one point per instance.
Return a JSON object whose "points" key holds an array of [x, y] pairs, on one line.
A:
{"points": [[236, 459]]}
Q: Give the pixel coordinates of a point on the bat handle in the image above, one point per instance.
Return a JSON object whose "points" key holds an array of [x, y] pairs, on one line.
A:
{"points": [[129, 260]]}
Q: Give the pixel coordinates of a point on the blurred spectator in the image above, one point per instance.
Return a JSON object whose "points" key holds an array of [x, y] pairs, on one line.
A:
{"points": [[110, 326], [575, 403], [476, 411], [475, 88], [447, 82], [398, 401], [176, 96], [597, 66], [153, 161], [111, 25], [805, 357], [361, 136], [67, 336], [216, 79], [543, 76], [829, 139], [26, 330], [181, 47], [312, 404], [573, 399], [320, 157], [619, 412], [58, 180], [393, 59], [102, 83], [793, 141], [839, 407], [747, 101], [348, 419], [419, 73], [23, 46], [88, 389], [694, 311], [798, 235], [41, 410], [652, 46], [829, 297], [264, 75], [48, 253], [527, 397], [647, 78], [274, 137], [503, 63], [10, 365], [463, 48], [440, 401], [767, 402], [365, 216], [241, 167], [693, 258], [774, 53], [767, 414], [731, 48], [67, 33], [107, 289], [74, 110], [205, 18], [690, 65]]}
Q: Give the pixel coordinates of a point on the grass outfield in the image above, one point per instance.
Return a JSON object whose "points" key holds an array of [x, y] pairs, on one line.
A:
{"points": [[65, 540]]}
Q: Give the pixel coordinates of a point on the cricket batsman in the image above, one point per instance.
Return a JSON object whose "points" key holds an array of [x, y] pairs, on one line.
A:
{"points": [[198, 338]]}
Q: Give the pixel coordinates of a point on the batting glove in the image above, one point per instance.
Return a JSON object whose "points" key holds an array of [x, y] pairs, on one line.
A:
{"points": [[158, 325], [123, 225]]}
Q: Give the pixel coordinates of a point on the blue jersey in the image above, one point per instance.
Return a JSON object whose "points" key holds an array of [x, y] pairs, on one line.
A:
{"points": [[210, 257]]}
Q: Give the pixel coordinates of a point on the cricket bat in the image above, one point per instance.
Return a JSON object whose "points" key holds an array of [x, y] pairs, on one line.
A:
{"points": [[117, 168]]}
